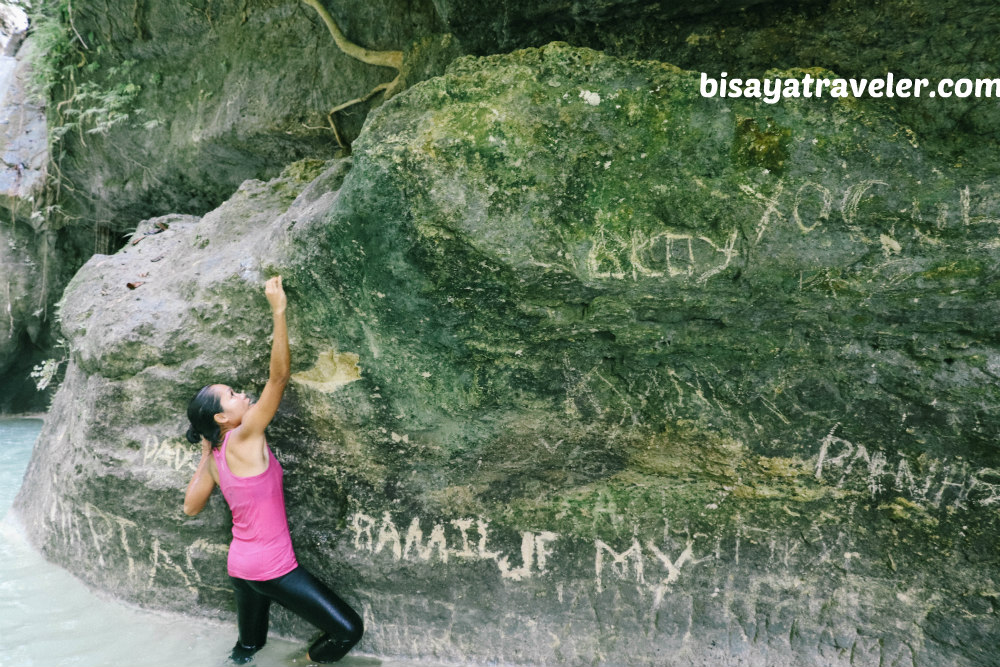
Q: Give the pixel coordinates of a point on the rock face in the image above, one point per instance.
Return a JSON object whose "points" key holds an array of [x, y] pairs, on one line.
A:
{"points": [[165, 107], [18, 297], [217, 94], [912, 38], [29, 270], [588, 369], [23, 135], [238, 90]]}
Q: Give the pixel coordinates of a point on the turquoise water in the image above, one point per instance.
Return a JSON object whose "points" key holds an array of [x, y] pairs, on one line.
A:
{"points": [[47, 617]]}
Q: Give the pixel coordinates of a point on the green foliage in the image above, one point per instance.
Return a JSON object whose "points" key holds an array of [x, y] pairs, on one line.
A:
{"points": [[54, 49], [95, 97], [86, 90], [95, 108], [45, 373]]}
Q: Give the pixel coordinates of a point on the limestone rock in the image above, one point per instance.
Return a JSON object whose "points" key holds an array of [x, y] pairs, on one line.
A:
{"points": [[220, 94], [28, 270], [23, 135], [589, 369], [237, 90], [16, 287]]}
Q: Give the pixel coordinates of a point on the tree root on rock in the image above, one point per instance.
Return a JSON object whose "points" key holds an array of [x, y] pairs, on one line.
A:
{"points": [[393, 59]]}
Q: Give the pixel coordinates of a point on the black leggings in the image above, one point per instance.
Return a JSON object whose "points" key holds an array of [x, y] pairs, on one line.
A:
{"points": [[299, 592]]}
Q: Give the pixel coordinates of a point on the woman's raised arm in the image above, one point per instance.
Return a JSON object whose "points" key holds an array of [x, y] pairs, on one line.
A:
{"points": [[262, 412]]}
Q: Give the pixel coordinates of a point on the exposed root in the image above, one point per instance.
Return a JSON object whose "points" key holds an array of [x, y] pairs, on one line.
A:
{"points": [[393, 59], [340, 107]]}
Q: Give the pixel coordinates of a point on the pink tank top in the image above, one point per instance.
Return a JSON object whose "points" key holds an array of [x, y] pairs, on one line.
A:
{"points": [[262, 547]]}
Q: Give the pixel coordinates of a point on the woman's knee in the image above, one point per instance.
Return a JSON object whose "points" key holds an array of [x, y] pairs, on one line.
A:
{"points": [[354, 629], [331, 647], [307, 596]]}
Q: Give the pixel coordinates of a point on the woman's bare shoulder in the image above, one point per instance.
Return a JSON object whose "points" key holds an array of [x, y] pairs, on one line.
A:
{"points": [[246, 452]]}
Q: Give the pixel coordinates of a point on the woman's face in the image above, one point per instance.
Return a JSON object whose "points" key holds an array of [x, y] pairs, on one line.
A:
{"points": [[234, 405]]}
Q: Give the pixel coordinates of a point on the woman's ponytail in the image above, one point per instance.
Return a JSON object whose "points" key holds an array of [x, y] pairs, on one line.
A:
{"points": [[201, 413]]}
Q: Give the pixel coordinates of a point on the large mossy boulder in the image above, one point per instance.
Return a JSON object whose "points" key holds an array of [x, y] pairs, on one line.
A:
{"points": [[168, 106], [588, 369], [165, 107]]}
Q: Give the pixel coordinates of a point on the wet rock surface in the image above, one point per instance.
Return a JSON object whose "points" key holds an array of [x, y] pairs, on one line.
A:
{"points": [[588, 369]]}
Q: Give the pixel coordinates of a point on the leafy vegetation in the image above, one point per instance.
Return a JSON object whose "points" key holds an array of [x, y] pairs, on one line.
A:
{"points": [[95, 97]]}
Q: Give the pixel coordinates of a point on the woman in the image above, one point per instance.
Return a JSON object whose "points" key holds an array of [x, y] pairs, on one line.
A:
{"points": [[261, 564]]}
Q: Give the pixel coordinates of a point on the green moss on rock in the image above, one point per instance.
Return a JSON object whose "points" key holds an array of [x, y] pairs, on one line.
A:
{"points": [[621, 357]]}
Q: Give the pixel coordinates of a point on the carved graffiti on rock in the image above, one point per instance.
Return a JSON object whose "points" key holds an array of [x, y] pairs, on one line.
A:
{"points": [[932, 482], [171, 452], [667, 253], [469, 539], [655, 569]]}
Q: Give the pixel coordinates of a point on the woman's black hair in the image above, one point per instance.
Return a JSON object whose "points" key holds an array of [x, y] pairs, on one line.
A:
{"points": [[201, 413]]}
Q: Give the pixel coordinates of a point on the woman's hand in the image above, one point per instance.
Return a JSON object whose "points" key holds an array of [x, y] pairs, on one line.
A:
{"points": [[275, 294]]}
